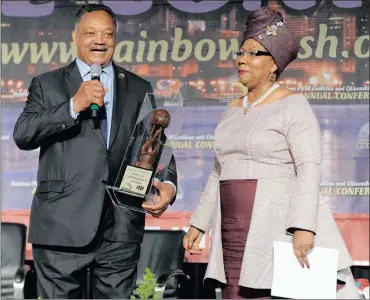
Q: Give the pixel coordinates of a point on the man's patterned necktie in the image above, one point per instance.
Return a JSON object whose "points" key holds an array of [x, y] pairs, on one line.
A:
{"points": [[103, 122]]}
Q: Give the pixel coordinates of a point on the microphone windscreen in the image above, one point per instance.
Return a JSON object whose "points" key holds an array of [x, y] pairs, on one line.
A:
{"points": [[95, 70]]}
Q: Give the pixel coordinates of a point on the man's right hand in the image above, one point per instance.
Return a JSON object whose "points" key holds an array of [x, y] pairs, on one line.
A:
{"points": [[90, 92], [192, 240]]}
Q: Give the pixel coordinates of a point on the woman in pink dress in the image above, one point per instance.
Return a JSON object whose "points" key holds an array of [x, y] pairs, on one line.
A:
{"points": [[264, 185]]}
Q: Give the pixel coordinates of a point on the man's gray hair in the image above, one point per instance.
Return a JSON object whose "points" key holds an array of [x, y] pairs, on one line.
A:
{"points": [[88, 8]]}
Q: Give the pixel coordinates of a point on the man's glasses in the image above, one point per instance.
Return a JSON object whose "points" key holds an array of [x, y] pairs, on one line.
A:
{"points": [[241, 53]]}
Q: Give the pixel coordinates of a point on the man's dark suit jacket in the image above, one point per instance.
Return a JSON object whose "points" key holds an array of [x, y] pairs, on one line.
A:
{"points": [[74, 159]]}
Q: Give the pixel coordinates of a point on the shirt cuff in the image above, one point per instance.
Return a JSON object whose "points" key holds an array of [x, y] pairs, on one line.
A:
{"points": [[71, 110], [174, 187]]}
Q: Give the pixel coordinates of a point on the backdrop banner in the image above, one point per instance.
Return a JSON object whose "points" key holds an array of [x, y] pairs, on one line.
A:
{"points": [[185, 49]]}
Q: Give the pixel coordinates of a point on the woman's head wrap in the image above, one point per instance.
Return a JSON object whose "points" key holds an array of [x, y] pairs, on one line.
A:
{"points": [[267, 27]]}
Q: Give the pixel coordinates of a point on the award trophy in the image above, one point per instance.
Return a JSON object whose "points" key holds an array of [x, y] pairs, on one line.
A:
{"points": [[147, 156]]}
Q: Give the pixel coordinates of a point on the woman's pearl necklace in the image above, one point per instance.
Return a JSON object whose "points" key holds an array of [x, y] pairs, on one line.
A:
{"points": [[247, 106]]}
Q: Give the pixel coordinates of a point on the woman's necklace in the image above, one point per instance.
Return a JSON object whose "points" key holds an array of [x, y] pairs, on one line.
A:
{"points": [[247, 106]]}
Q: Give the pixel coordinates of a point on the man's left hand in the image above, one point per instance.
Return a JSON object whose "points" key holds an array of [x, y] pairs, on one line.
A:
{"points": [[165, 195]]}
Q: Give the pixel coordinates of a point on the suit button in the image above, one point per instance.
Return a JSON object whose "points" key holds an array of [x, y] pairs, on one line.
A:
{"points": [[109, 153]]}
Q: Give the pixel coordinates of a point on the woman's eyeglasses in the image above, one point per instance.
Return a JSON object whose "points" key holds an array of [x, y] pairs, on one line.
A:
{"points": [[241, 53]]}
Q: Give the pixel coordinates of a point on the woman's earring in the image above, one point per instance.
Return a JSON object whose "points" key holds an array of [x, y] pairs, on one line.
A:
{"points": [[273, 77]]}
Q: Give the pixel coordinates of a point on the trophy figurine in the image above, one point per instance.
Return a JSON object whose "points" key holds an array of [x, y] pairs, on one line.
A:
{"points": [[150, 150]]}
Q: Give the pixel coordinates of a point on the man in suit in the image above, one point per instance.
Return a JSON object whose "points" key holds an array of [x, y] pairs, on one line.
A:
{"points": [[73, 224]]}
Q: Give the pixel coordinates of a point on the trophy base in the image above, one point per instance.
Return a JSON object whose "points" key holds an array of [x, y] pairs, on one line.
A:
{"points": [[135, 189], [124, 200]]}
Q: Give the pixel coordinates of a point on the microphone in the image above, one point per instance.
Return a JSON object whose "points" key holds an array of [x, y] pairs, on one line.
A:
{"points": [[95, 75]]}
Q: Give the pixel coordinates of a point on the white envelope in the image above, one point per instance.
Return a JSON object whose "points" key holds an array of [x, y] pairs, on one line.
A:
{"points": [[290, 280]]}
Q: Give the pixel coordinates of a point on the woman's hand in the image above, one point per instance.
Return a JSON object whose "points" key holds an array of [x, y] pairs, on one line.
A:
{"points": [[303, 242], [192, 239]]}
